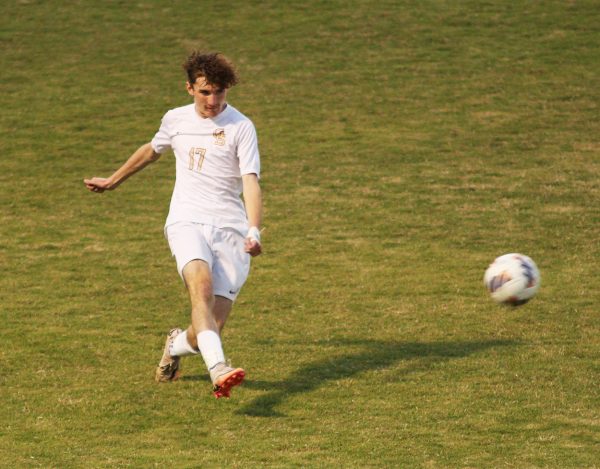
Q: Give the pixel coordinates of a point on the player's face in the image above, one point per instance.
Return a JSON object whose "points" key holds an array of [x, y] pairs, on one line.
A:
{"points": [[208, 98]]}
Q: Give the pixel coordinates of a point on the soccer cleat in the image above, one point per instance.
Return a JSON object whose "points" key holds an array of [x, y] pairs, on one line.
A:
{"points": [[168, 367], [224, 378]]}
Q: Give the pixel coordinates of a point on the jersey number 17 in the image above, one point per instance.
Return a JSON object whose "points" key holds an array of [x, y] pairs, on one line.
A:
{"points": [[196, 159]]}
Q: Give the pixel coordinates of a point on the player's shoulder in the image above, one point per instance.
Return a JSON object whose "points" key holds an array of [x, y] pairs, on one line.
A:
{"points": [[234, 116], [180, 112]]}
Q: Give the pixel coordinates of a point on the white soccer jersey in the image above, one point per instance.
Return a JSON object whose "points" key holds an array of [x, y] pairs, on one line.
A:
{"points": [[212, 155]]}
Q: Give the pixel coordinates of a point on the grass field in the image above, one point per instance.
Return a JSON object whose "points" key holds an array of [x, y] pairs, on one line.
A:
{"points": [[404, 146]]}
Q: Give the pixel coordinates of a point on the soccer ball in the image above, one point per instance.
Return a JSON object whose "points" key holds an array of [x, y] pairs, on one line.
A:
{"points": [[512, 279]]}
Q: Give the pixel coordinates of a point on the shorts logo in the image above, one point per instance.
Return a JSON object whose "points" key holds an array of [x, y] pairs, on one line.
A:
{"points": [[219, 135]]}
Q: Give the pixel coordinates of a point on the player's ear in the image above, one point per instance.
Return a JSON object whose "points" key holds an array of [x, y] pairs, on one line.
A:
{"points": [[189, 88]]}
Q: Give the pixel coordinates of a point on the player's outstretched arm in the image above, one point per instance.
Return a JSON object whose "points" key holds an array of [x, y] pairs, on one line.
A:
{"points": [[141, 158], [253, 202]]}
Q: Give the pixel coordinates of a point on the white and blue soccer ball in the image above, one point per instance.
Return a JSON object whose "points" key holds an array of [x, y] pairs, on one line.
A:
{"points": [[512, 279]]}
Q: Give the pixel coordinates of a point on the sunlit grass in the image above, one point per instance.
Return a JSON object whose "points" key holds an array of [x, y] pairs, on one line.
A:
{"points": [[404, 146]]}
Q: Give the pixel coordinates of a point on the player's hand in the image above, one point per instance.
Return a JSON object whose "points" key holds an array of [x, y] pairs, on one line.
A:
{"points": [[98, 185], [252, 243], [253, 247]]}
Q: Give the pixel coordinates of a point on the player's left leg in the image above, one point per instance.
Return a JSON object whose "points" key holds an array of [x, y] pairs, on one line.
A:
{"points": [[206, 309], [230, 271], [223, 376], [221, 309]]}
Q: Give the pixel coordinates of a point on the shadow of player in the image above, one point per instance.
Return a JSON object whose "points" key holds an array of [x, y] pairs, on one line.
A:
{"points": [[373, 355]]}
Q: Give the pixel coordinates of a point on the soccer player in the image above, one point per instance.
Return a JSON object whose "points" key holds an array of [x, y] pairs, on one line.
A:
{"points": [[212, 233]]}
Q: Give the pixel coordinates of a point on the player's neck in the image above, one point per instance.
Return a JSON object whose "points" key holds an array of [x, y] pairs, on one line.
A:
{"points": [[208, 115]]}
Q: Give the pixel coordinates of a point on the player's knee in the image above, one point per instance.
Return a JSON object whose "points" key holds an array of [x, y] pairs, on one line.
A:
{"points": [[202, 293], [198, 281]]}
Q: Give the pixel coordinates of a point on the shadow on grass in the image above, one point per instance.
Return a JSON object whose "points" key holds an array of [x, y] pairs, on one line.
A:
{"points": [[374, 355]]}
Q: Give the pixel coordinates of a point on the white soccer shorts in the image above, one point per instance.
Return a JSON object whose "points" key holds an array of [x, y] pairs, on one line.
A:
{"points": [[221, 249]]}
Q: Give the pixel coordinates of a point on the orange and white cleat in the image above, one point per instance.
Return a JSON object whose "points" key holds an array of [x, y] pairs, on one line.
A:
{"points": [[224, 378]]}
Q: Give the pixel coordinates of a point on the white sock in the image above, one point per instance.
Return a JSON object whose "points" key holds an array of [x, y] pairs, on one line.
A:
{"points": [[211, 348], [181, 346]]}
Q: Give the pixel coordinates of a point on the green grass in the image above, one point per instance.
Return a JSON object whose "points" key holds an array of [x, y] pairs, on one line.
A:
{"points": [[404, 146]]}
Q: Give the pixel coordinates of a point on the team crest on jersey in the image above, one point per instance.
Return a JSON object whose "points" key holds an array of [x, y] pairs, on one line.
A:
{"points": [[219, 135]]}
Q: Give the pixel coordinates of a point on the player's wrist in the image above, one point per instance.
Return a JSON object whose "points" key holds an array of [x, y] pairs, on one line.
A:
{"points": [[112, 182], [253, 234]]}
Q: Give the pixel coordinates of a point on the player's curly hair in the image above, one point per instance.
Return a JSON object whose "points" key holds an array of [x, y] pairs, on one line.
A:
{"points": [[214, 67]]}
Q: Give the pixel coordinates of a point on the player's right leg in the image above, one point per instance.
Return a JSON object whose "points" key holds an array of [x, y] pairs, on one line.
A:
{"points": [[189, 246]]}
